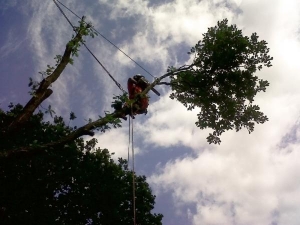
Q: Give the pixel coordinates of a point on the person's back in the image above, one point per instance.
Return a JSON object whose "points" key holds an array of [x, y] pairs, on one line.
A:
{"points": [[136, 87]]}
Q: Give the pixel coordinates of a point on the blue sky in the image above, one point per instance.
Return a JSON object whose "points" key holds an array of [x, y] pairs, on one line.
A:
{"points": [[248, 179]]}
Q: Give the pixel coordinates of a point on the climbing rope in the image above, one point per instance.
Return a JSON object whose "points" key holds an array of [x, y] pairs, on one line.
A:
{"points": [[62, 12], [107, 40], [133, 170], [118, 84], [133, 177], [128, 140]]}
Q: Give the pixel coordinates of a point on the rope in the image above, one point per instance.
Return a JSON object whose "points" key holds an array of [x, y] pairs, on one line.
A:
{"points": [[128, 140], [133, 175], [118, 84], [133, 171], [108, 40], [64, 14]]}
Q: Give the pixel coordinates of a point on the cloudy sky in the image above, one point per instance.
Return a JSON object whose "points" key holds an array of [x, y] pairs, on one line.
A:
{"points": [[248, 179]]}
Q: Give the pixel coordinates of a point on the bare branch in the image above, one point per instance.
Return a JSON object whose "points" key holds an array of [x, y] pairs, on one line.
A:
{"points": [[169, 74], [164, 83]]}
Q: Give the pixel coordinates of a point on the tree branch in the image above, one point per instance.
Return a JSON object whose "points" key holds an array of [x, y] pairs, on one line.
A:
{"points": [[171, 73], [43, 91], [87, 129], [164, 83]]}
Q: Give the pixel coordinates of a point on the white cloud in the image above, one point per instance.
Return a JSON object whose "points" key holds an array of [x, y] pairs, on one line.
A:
{"points": [[8, 4], [253, 180], [12, 44], [212, 215], [125, 8], [170, 124], [248, 179], [116, 140], [185, 21], [160, 29]]}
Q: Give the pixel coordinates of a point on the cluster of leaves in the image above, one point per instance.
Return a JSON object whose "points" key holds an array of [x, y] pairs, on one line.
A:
{"points": [[119, 101], [110, 121], [222, 82], [34, 133], [73, 184], [85, 29]]}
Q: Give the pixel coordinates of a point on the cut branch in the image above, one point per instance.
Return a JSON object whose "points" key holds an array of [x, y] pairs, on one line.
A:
{"points": [[164, 83]]}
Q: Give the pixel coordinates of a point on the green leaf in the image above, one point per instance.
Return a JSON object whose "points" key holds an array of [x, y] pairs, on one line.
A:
{"points": [[72, 116]]}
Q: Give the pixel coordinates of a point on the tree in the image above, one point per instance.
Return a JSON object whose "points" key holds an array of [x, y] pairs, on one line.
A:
{"points": [[220, 83], [72, 184]]}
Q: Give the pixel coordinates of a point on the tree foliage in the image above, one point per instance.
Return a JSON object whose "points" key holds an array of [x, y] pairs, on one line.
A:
{"points": [[222, 81], [70, 184]]}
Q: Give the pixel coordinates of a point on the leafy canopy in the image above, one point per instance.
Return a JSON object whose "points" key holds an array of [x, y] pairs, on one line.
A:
{"points": [[222, 81], [74, 183]]}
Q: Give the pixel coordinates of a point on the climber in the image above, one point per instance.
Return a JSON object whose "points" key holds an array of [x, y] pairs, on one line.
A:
{"points": [[136, 85]]}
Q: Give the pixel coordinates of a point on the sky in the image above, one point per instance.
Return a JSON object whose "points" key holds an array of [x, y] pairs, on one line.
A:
{"points": [[249, 178]]}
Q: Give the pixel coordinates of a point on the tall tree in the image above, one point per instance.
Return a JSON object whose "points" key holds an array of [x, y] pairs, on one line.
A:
{"points": [[69, 184]]}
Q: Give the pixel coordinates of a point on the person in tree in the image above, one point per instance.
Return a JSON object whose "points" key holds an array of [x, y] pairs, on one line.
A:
{"points": [[136, 85]]}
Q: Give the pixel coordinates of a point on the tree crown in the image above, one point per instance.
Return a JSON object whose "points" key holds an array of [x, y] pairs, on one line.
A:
{"points": [[222, 81]]}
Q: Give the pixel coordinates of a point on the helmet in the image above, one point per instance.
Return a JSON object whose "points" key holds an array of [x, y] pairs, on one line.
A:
{"points": [[137, 77]]}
